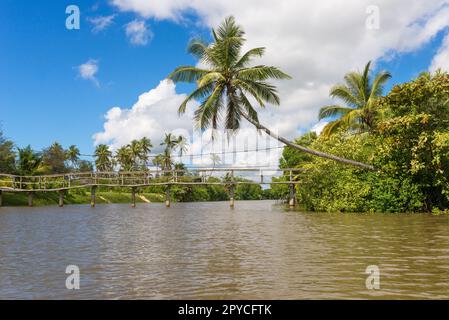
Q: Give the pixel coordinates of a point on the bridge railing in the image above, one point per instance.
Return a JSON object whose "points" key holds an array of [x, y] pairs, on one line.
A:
{"points": [[219, 176]]}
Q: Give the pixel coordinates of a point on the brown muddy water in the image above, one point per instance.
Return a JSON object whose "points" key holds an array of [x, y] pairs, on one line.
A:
{"points": [[259, 250]]}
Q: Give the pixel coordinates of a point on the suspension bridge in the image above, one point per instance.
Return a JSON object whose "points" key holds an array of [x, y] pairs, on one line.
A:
{"points": [[228, 177]]}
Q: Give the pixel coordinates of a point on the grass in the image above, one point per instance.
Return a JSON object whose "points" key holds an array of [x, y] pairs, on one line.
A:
{"points": [[16, 199]]}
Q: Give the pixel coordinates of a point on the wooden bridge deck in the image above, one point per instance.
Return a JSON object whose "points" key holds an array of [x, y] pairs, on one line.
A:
{"points": [[230, 177]]}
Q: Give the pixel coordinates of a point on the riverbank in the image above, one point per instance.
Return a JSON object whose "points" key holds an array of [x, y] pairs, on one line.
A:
{"points": [[42, 199]]}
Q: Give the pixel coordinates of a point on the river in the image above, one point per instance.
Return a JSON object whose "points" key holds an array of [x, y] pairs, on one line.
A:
{"points": [[259, 250]]}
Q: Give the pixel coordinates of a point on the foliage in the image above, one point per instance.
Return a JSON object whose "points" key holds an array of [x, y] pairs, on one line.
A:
{"points": [[7, 155], [54, 159], [359, 93], [28, 162], [409, 145]]}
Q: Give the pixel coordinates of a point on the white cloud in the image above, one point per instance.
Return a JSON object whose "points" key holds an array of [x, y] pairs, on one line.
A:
{"points": [[101, 23], [441, 59], [138, 32], [315, 42], [155, 113], [89, 70]]}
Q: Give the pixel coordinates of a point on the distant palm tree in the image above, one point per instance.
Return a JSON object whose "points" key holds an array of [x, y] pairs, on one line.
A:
{"points": [[135, 150], [103, 158], [228, 82], [146, 146], [125, 158], [359, 92], [73, 155], [29, 161], [182, 145]]}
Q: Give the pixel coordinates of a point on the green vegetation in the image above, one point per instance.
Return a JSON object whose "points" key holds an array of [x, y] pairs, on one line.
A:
{"points": [[408, 142]]}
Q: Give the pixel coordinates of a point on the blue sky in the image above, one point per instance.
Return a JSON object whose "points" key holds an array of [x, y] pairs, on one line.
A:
{"points": [[44, 99]]}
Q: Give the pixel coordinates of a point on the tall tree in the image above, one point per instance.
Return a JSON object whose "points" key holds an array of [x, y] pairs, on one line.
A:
{"points": [[7, 155], [125, 158], [103, 158], [29, 161], [73, 155], [54, 158], [227, 83], [359, 93]]}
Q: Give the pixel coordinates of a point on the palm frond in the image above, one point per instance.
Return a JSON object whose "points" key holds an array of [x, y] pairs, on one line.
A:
{"points": [[187, 74], [332, 111], [261, 73], [246, 58]]}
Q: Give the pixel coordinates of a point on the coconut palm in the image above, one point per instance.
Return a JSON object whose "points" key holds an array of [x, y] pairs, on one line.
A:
{"points": [[136, 151], [228, 82], [125, 158], [103, 158], [146, 146], [29, 161], [182, 145], [73, 155], [358, 93]]}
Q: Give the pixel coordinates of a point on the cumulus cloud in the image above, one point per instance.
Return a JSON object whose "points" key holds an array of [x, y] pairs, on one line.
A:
{"points": [[441, 59], [138, 32], [89, 70], [101, 23], [155, 113]]}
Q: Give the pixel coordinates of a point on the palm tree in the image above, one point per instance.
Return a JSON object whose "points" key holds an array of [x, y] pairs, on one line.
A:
{"points": [[29, 161], [125, 158], [182, 145], [146, 146], [359, 92], [103, 158], [73, 155], [228, 83], [135, 150]]}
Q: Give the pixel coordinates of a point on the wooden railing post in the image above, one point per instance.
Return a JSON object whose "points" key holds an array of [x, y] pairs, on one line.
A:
{"points": [[133, 197], [167, 196], [232, 191], [1, 198], [93, 190], [61, 198], [30, 198]]}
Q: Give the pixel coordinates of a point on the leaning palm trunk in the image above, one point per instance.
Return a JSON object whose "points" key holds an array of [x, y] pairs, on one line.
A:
{"points": [[304, 149]]}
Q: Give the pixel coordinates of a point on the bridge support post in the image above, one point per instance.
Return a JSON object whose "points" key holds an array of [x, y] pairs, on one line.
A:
{"points": [[292, 198], [167, 197], [93, 190], [1, 198], [30, 198], [133, 197], [61, 198], [231, 196]]}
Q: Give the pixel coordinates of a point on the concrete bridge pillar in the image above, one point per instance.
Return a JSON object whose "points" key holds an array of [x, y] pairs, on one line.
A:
{"points": [[292, 197], [133, 197], [30, 198], [61, 198], [93, 190]]}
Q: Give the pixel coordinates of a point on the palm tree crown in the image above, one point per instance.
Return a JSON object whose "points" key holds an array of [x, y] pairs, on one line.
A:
{"points": [[358, 93], [227, 84]]}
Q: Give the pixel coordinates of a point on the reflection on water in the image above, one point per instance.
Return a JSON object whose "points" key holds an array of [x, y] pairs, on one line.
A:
{"points": [[205, 250]]}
